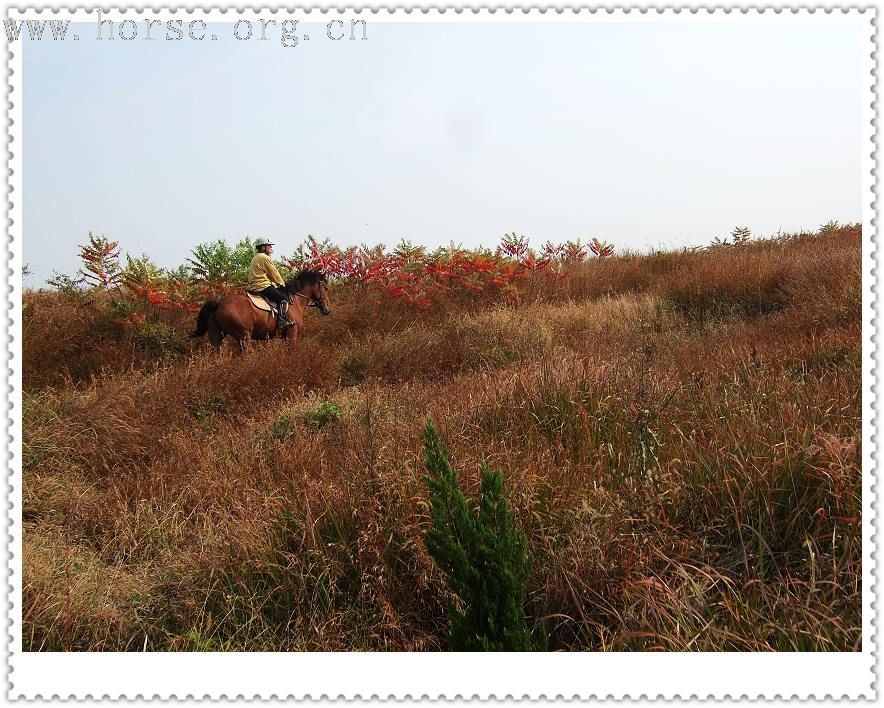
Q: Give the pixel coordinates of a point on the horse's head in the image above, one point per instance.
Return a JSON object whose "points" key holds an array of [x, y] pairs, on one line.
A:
{"points": [[314, 285]]}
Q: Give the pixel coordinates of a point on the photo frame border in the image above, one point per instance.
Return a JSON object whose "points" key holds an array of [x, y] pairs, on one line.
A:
{"points": [[368, 675]]}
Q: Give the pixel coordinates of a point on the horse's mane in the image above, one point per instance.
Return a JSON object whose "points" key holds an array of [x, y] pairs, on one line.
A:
{"points": [[304, 279]]}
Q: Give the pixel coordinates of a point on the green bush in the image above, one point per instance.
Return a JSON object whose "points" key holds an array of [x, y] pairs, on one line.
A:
{"points": [[282, 428], [483, 556], [327, 412], [217, 262], [159, 339]]}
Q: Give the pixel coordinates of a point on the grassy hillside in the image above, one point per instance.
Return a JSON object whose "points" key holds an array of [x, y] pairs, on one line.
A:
{"points": [[679, 435]]}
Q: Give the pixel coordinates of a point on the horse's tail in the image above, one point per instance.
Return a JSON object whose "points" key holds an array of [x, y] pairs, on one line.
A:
{"points": [[202, 319]]}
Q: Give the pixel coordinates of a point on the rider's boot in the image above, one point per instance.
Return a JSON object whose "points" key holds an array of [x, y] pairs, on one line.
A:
{"points": [[283, 318]]}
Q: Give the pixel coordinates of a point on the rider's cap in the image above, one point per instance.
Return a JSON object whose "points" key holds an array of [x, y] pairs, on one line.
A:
{"points": [[263, 241]]}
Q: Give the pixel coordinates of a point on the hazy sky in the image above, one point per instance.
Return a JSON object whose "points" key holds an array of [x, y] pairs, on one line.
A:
{"points": [[644, 135]]}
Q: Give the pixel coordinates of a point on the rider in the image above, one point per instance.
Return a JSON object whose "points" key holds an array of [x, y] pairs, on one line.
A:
{"points": [[265, 280]]}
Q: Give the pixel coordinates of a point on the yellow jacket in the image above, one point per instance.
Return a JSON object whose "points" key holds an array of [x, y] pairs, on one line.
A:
{"points": [[262, 273]]}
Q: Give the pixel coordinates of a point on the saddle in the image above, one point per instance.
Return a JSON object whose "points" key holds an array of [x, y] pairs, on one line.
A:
{"points": [[262, 303]]}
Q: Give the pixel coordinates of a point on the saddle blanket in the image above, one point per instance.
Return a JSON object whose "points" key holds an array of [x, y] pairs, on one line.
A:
{"points": [[262, 304]]}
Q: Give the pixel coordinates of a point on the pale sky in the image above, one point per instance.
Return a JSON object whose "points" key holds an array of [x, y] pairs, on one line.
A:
{"points": [[643, 135]]}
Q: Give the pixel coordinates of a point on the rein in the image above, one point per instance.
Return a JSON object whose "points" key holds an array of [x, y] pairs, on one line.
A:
{"points": [[312, 303]]}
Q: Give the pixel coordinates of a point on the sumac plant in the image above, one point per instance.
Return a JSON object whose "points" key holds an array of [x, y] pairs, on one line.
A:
{"points": [[101, 262], [600, 248], [409, 272]]}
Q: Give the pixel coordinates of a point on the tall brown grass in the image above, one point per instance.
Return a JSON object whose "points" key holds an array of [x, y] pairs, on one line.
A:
{"points": [[679, 434]]}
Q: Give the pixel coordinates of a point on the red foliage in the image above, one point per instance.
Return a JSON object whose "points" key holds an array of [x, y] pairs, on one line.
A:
{"points": [[411, 275], [408, 273], [600, 248]]}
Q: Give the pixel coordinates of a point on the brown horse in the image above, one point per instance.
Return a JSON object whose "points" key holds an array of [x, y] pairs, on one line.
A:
{"points": [[237, 316]]}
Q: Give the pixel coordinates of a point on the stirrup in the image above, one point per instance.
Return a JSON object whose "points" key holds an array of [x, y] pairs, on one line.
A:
{"points": [[283, 322]]}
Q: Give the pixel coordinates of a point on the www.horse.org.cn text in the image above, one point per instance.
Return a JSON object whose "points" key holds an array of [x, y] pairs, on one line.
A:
{"points": [[176, 30]]}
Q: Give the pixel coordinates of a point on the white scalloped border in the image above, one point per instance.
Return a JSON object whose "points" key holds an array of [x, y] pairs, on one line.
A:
{"points": [[370, 676]]}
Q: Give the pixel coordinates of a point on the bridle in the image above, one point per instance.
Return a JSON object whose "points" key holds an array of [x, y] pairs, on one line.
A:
{"points": [[313, 301]]}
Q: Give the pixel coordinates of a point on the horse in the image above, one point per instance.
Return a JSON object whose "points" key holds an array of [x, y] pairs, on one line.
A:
{"points": [[237, 316]]}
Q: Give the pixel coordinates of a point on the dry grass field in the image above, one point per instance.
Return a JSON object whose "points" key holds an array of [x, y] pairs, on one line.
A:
{"points": [[679, 435]]}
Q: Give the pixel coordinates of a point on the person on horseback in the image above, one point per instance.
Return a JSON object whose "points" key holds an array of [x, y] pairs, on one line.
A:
{"points": [[265, 280]]}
